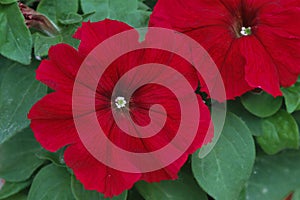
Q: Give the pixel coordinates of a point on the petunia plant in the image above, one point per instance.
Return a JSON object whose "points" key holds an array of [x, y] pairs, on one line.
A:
{"points": [[149, 99]]}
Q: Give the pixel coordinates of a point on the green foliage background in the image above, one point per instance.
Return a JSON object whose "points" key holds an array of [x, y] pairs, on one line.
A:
{"points": [[256, 157]]}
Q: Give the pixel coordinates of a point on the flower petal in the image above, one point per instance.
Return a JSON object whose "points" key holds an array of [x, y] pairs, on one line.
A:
{"points": [[92, 34], [260, 69], [59, 72], [52, 121], [187, 15], [203, 136], [168, 173], [287, 61], [224, 50], [96, 176]]}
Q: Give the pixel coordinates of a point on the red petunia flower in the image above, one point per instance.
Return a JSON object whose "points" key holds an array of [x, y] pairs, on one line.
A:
{"points": [[52, 120], [255, 43]]}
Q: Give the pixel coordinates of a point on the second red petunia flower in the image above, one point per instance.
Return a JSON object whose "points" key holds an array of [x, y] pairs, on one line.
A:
{"points": [[255, 43]]}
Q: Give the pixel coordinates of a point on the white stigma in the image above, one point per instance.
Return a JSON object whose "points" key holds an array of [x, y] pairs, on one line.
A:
{"points": [[246, 31], [120, 102]]}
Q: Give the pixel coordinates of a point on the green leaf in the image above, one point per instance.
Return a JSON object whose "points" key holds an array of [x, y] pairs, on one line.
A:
{"points": [[129, 11], [224, 172], [11, 188], [261, 104], [7, 1], [17, 157], [63, 14], [242, 195], [185, 187], [18, 92], [67, 32], [296, 116], [81, 194], [53, 183], [298, 108], [43, 43], [15, 40], [142, 5], [280, 131], [150, 3], [254, 123], [274, 177], [292, 97], [19, 196], [133, 194], [57, 9], [56, 158], [296, 195], [71, 18], [29, 2]]}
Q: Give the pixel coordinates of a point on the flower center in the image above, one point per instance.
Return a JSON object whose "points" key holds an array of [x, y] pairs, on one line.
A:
{"points": [[120, 102], [246, 31]]}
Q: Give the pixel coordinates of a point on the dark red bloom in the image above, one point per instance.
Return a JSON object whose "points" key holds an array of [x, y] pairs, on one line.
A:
{"points": [[53, 124], [255, 43]]}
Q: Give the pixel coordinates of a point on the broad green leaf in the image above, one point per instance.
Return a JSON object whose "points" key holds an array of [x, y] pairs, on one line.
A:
{"points": [[15, 40], [136, 19], [7, 1], [53, 183], [280, 131], [19, 90], [291, 97], [81, 194], [298, 107], [57, 9], [43, 43], [296, 116], [254, 123], [19, 196], [11, 188], [242, 195], [17, 157], [261, 104], [224, 172], [129, 11], [296, 195], [185, 187], [274, 177], [133, 194]]}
